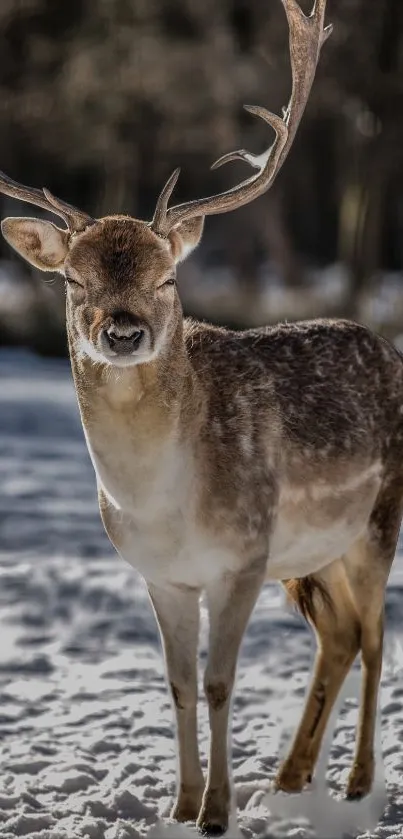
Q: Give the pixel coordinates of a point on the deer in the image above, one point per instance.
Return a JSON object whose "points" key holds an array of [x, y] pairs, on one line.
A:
{"points": [[225, 458]]}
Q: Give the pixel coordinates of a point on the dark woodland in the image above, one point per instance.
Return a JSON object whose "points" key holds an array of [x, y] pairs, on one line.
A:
{"points": [[100, 102]]}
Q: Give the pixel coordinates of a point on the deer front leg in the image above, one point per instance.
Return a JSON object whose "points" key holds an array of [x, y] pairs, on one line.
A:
{"points": [[230, 602], [177, 614]]}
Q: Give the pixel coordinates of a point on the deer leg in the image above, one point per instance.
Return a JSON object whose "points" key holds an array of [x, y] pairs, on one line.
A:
{"points": [[338, 635], [367, 566], [356, 585], [177, 614], [367, 573], [230, 603], [362, 772]]}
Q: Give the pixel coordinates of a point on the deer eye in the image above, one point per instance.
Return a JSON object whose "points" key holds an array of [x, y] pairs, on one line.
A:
{"points": [[169, 281], [72, 281]]}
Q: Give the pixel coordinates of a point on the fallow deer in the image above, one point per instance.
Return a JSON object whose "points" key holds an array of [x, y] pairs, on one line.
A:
{"points": [[226, 458]]}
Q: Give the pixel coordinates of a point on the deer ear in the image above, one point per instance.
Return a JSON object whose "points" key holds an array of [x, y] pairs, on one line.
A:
{"points": [[39, 242], [186, 237]]}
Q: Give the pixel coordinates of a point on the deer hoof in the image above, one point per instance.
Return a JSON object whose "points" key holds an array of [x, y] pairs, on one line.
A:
{"points": [[210, 828], [292, 778], [360, 780], [213, 816], [187, 805]]}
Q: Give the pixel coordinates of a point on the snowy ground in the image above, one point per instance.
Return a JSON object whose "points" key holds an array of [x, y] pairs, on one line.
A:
{"points": [[86, 733]]}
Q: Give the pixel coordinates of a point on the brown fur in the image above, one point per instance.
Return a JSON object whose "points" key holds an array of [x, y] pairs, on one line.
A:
{"points": [[176, 696], [121, 249], [217, 695], [309, 595]]}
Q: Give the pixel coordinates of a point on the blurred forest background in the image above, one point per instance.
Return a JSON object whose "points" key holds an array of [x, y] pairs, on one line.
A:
{"points": [[100, 100]]}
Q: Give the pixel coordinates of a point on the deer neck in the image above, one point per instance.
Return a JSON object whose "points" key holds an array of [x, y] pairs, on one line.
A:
{"points": [[132, 415]]}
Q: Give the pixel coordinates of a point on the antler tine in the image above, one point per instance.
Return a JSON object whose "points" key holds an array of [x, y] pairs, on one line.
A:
{"points": [[162, 203], [240, 194], [75, 219], [258, 161], [306, 36]]}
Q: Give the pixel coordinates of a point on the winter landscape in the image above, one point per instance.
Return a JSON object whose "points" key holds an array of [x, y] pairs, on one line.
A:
{"points": [[99, 103], [86, 726]]}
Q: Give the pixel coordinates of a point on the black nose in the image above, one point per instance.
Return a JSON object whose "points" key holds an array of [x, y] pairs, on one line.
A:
{"points": [[124, 339]]}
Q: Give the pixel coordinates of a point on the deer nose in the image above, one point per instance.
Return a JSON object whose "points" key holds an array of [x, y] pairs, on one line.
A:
{"points": [[124, 339]]}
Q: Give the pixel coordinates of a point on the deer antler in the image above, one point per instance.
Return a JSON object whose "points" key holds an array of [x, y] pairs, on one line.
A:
{"points": [[76, 220], [307, 35]]}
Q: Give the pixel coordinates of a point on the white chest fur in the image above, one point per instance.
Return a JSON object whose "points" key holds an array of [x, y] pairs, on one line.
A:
{"points": [[151, 515], [155, 527]]}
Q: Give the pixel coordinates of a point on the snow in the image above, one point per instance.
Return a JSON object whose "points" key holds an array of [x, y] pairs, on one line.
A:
{"points": [[86, 725]]}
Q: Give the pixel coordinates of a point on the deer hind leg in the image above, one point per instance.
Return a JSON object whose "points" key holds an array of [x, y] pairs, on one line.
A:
{"points": [[328, 607], [367, 567], [369, 602], [177, 614], [345, 605]]}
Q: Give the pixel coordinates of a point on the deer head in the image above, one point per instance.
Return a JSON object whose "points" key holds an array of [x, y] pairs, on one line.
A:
{"points": [[123, 307]]}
